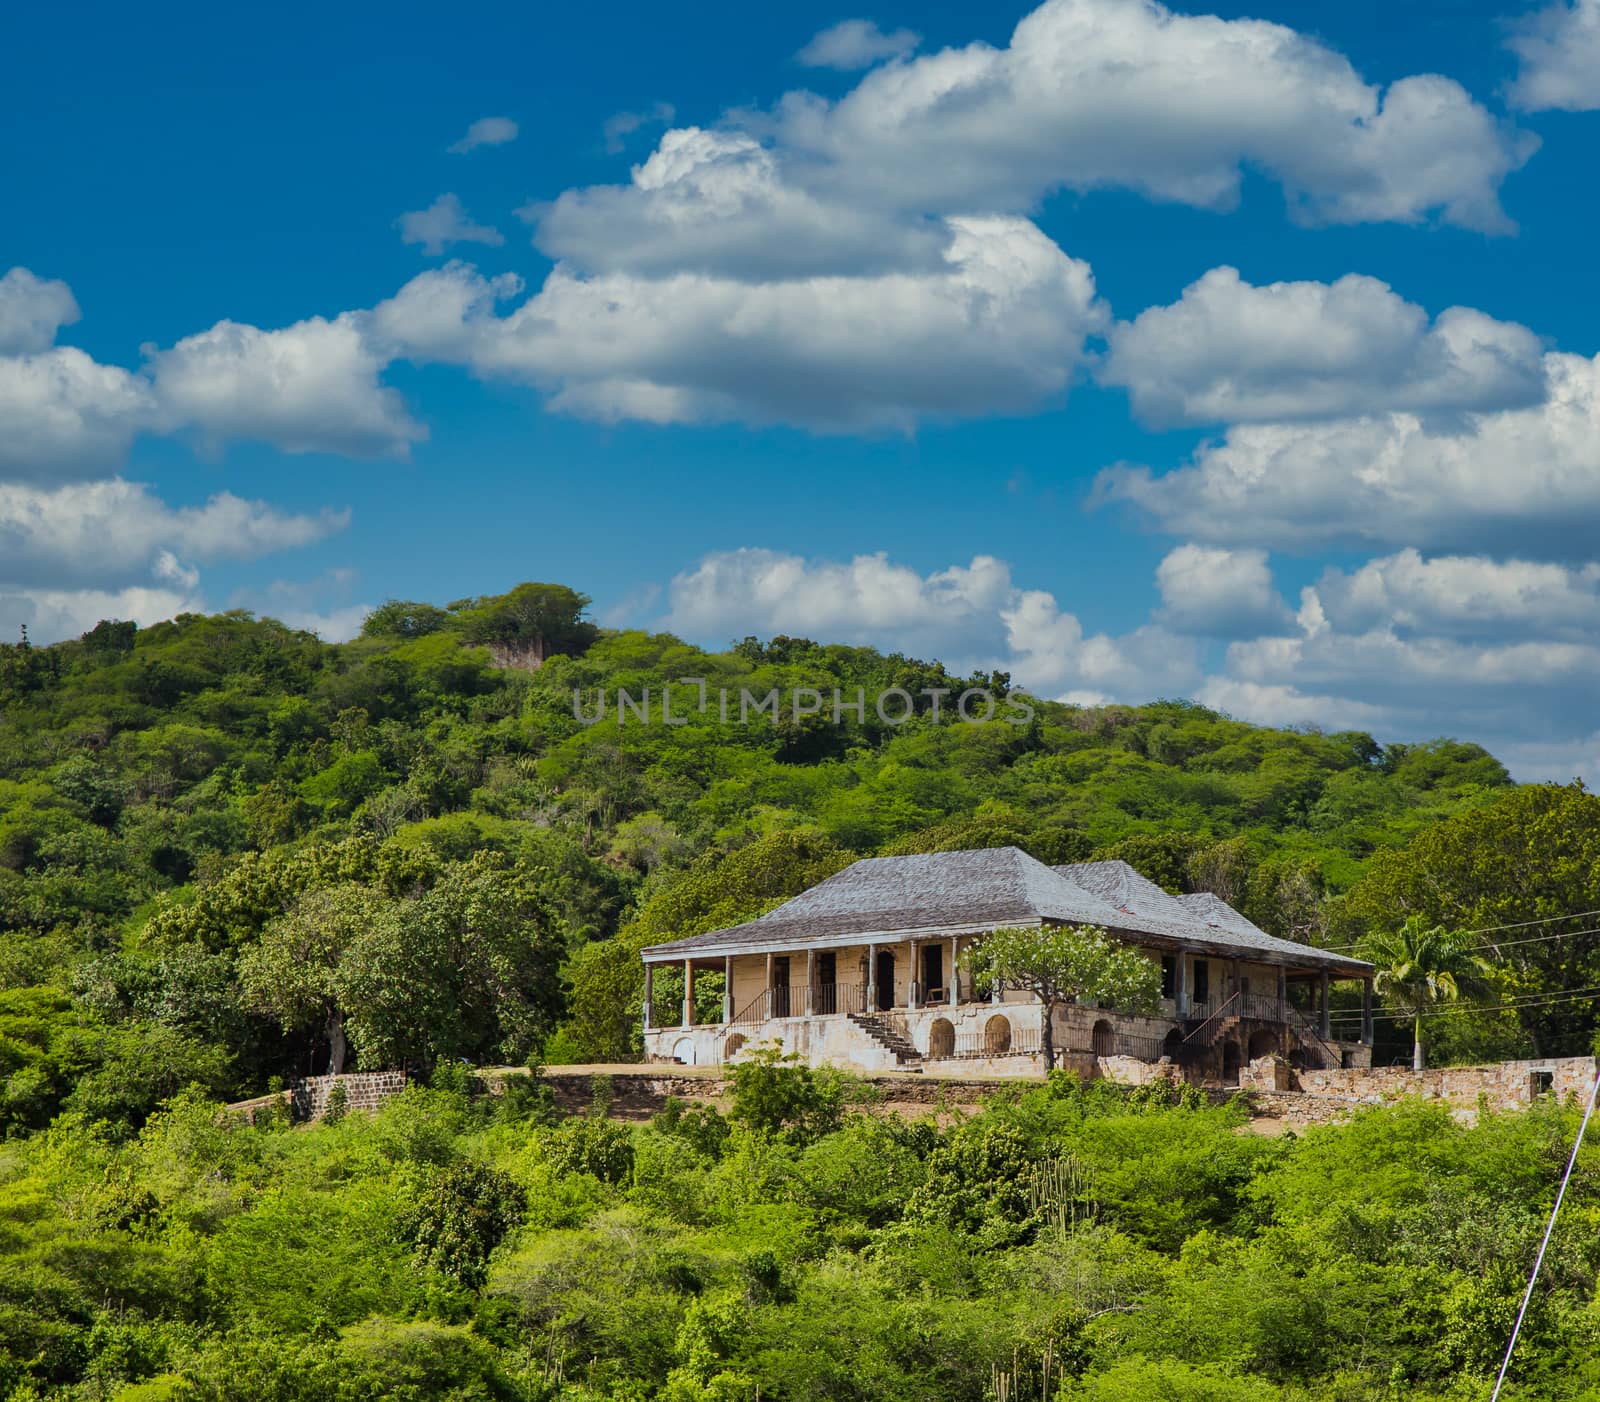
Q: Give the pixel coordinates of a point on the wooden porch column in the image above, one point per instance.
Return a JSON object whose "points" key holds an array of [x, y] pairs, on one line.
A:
{"points": [[688, 993], [769, 998], [955, 970], [1183, 983], [1324, 1022], [649, 992], [811, 982], [1283, 993], [872, 979], [913, 990], [1366, 1012], [727, 988]]}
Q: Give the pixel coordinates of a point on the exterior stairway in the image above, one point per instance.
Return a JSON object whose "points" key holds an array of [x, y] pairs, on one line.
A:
{"points": [[890, 1038]]}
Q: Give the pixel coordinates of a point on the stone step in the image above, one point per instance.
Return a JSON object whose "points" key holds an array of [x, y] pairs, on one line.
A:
{"points": [[894, 1042]]}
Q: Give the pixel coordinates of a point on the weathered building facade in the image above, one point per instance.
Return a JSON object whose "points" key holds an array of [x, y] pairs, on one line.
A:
{"points": [[864, 970]]}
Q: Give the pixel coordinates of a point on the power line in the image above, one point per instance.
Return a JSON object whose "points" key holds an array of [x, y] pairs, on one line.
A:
{"points": [[1532, 1000], [1491, 929]]}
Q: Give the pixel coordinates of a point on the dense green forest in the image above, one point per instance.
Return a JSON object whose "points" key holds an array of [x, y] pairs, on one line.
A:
{"points": [[231, 854]]}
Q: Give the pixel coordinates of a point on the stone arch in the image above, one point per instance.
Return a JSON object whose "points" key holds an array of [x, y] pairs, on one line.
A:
{"points": [[941, 1039], [730, 1048], [1232, 1059], [997, 1035], [1263, 1042], [1172, 1044], [683, 1050], [1103, 1040]]}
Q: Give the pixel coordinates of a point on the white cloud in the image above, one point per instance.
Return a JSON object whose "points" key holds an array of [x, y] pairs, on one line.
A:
{"points": [[442, 223], [486, 131], [1127, 94], [868, 599], [102, 535], [32, 310], [971, 617], [1461, 597], [53, 614], [998, 327], [1559, 47], [620, 125], [1209, 591], [65, 415], [718, 202], [1522, 481], [1230, 352], [856, 43], [306, 388]]}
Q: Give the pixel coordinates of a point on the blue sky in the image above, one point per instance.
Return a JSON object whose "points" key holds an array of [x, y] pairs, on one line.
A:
{"points": [[1108, 343]]}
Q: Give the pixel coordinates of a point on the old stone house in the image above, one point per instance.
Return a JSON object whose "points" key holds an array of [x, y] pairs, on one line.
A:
{"points": [[864, 971]]}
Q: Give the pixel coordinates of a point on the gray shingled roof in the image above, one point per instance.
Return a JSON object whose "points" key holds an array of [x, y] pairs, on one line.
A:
{"points": [[967, 892], [1201, 915]]}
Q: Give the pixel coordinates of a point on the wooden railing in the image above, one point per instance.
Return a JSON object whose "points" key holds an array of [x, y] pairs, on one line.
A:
{"points": [[1206, 1032]]}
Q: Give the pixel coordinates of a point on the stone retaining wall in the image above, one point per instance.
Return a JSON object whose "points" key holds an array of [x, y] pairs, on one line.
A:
{"points": [[364, 1090], [1507, 1085]]}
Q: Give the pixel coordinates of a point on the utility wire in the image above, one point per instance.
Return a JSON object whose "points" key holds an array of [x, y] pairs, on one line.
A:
{"points": [[1492, 929], [1531, 1000], [1550, 1227]]}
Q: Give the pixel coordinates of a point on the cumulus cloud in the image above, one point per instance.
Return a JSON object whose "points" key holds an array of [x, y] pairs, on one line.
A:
{"points": [[486, 131], [1209, 591], [1559, 49], [1517, 482], [972, 617], [102, 534], [1127, 94], [310, 387], [442, 223], [53, 614], [620, 125], [998, 326], [868, 599], [856, 43], [65, 415], [1465, 597], [721, 203], [1228, 351], [32, 310]]}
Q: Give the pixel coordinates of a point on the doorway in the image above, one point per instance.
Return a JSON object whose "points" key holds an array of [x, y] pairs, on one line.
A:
{"points": [[780, 986], [933, 989], [885, 980], [827, 994]]}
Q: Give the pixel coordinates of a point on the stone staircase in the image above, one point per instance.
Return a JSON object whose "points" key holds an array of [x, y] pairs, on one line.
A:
{"points": [[890, 1038]]}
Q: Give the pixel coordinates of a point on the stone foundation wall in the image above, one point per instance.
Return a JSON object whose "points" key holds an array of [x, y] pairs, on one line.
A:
{"points": [[364, 1090], [1507, 1085]]}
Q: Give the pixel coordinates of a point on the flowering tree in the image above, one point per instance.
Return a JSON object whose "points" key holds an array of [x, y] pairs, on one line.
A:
{"points": [[1061, 964]]}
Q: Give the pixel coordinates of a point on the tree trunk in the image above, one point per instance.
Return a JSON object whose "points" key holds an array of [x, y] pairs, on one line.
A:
{"points": [[1047, 1040], [337, 1045], [1419, 1053]]}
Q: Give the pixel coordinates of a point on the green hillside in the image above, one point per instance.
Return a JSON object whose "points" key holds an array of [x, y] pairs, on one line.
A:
{"points": [[230, 853]]}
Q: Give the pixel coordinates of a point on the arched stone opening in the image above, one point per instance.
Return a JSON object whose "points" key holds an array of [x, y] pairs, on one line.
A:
{"points": [[1231, 1061], [941, 1039], [683, 1050], [997, 1035], [1103, 1040], [1263, 1042], [1172, 1045]]}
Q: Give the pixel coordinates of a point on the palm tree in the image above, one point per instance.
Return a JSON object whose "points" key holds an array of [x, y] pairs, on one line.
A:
{"points": [[1421, 966]]}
